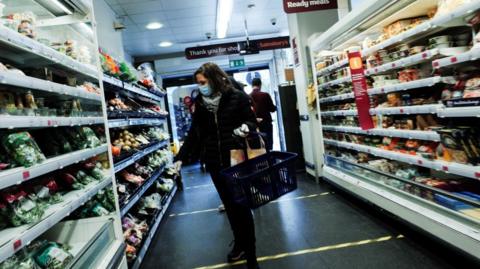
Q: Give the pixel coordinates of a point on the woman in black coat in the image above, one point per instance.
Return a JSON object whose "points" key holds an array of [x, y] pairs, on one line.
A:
{"points": [[222, 114]]}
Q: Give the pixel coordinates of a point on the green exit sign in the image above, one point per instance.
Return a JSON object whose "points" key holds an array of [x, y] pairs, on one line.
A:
{"points": [[237, 63]]}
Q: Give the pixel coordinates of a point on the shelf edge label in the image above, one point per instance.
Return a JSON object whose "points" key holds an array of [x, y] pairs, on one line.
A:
{"points": [[360, 88]]}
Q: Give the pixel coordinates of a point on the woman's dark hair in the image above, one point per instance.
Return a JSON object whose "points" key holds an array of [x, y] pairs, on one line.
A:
{"points": [[217, 78], [257, 82]]}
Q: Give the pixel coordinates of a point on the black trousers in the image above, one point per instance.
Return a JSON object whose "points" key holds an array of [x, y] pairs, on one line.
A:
{"points": [[240, 217], [267, 128]]}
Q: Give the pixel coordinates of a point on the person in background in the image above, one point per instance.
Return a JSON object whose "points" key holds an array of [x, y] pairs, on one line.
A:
{"points": [[263, 105], [222, 114]]}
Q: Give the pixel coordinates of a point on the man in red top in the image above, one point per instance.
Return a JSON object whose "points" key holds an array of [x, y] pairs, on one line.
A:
{"points": [[263, 105]]}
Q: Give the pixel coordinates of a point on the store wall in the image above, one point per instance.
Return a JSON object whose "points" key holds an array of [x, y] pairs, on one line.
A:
{"points": [[108, 38], [302, 26]]}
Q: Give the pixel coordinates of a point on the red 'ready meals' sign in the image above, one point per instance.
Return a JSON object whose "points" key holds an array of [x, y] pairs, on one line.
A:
{"points": [[359, 84], [297, 6]]}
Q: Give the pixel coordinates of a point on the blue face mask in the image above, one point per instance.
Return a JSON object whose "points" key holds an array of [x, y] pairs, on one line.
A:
{"points": [[205, 90]]}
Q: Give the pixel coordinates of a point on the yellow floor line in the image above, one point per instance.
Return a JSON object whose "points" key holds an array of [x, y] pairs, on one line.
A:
{"points": [[308, 251], [276, 201]]}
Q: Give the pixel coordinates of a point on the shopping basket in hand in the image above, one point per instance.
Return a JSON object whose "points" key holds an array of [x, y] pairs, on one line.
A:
{"points": [[260, 180]]}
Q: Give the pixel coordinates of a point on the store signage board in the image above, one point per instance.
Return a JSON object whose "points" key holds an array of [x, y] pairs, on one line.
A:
{"points": [[233, 47], [298, 6], [359, 84]]}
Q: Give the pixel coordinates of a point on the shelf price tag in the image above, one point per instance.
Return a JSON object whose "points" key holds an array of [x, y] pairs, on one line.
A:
{"points": [[17, 244], [26, 175]]}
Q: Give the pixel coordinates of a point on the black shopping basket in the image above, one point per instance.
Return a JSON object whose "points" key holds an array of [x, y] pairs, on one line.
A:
{"points": [[260, 180]]}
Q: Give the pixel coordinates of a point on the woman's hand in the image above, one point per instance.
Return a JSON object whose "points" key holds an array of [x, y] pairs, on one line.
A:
{"points": [[242, 131]]}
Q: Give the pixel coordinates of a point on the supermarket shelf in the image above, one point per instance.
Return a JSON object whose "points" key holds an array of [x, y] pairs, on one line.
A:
{"points": [[137, 156], [352, 112], [10, 122], [404, 62], [409, 134], [426, 82], [332, 67], [153, 230], [339, 97], [455, 112], [406, 110], [13, 39], [13, 79], [132, 88], [13, 239], [133, 199], [472, 55], [116, 123], [427, 216], [335, 82], [421, 29], [18, 175], [464, 170]]}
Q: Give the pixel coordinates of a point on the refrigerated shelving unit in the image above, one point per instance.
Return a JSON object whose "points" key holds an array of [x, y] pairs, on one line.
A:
{"points": [[155, 97], [458, 228], [96, 242]]}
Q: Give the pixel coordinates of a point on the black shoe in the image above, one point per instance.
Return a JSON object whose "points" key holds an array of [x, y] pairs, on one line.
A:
{"points": [[236, 254], [252, 263]]}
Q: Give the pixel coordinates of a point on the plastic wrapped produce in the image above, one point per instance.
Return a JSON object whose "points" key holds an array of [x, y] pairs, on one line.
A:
{"points": [[23, 149], [53, 256], [24, 210]]}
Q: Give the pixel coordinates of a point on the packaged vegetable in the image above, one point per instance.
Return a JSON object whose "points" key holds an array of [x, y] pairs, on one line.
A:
{"points": [[53, 256], [24, 210], [23, 149]]}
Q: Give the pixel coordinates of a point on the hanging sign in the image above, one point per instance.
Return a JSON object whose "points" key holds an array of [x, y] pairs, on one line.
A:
{"points": [[298, 6], [233, 47], [359, 84]]}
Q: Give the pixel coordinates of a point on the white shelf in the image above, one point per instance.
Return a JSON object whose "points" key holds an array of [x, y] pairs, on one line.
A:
{"points": [[116, 123], [339, 97], [26, 44], [132, 88], [432, 218], [13, 239], [351, 112], [12, 79], [438, 21], [426, 82], [409, 134], [406, 110], [131, 201], [329, 84], [404, 62], [11, 122], [332, 67], [464, 170], [137, 156], [455, 112], [472, 55], [18, 175], [153, 230]]}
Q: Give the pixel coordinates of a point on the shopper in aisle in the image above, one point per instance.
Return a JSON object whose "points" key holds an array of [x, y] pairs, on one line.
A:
{"points": [[223, 114], [263, 104]]}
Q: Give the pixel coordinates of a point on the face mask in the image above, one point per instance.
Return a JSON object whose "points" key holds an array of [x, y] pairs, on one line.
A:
{"points": [[205, 90]]}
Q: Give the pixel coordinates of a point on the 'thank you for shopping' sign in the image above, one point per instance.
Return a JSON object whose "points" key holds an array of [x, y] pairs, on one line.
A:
{"points": [[298, 6]]}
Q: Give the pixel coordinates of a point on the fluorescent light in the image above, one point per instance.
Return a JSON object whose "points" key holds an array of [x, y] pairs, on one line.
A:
{"points": [[224, 13], [165, 44], [62, 7], [154, 26]]}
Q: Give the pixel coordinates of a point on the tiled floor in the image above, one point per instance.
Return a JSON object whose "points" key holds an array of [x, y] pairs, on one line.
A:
{"points": [[311, 231]]}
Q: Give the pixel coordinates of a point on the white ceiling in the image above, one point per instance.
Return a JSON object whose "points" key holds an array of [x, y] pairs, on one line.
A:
{"points": [[186, 22]]}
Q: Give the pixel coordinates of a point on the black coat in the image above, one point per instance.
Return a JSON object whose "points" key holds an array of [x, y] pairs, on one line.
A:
{"points": [[214, 134]]}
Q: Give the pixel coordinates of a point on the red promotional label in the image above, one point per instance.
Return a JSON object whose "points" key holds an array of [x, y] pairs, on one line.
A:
{"points": [[359, 84], [297, 6]]}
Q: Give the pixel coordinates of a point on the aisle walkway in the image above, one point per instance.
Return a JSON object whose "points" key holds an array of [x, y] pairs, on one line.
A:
{"points": [[314, 227]]}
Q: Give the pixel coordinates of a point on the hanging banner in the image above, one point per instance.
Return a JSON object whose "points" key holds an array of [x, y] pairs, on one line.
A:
{"points": [[233, 47], [298, 6], [359, 84]]}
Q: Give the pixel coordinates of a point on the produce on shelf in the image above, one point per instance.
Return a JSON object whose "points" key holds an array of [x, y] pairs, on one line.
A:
{"points": [[22, 208], [117, 69], [22, 149]]}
